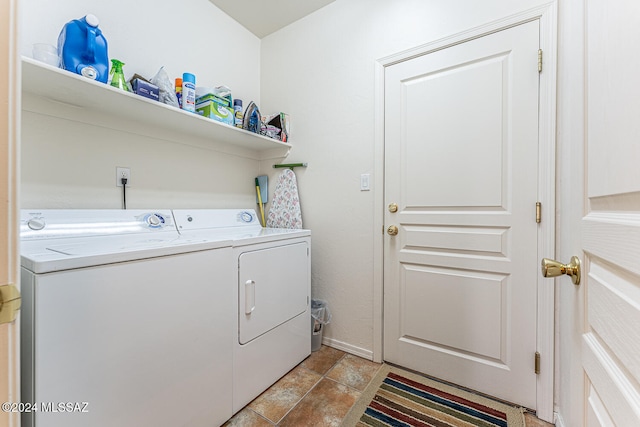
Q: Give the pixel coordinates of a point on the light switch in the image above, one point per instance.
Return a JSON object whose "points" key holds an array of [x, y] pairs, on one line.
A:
{"points": [[365, 179]]}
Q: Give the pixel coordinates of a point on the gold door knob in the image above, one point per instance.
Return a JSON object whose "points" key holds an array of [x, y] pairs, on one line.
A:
{"points": [[552, 268], [393, 207], [392, 230]]}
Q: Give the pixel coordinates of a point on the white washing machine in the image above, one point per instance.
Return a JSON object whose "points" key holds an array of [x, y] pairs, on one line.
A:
{"points": [[272, 290], [125, 319]]}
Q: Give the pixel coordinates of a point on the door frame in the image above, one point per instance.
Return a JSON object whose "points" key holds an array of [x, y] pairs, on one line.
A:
{"points": [[545, 339], [10, 111]]}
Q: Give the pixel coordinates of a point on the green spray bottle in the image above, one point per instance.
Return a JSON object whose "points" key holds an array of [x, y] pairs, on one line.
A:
{"points": [[117, 76]]}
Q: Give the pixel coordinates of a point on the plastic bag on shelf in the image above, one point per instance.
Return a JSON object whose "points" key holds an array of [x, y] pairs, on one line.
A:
{"points": [[165, 85]]}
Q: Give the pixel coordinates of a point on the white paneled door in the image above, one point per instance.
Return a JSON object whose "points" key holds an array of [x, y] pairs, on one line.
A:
{"points": [[461, 153], [610, 229]]}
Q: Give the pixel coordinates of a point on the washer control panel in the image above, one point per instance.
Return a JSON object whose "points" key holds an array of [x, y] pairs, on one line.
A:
{"points": [[59, 223]]}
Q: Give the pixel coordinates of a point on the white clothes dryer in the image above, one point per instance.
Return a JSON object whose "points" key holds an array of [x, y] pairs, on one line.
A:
{"points": [[272, 290], [126, 318]]}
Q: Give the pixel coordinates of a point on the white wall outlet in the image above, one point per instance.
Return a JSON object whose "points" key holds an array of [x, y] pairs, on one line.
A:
{"points": [[123, 173], [365, 182]]}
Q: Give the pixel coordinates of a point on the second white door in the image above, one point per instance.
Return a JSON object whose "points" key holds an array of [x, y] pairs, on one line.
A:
{"points": [[461, 150]]}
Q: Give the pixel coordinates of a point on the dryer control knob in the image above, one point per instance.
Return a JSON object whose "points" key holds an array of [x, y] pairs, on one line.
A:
{"points": [[246, 217], [36, 223]]}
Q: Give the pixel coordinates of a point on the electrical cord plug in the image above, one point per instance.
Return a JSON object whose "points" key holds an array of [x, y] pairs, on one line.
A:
{"points": [[124, 192]]}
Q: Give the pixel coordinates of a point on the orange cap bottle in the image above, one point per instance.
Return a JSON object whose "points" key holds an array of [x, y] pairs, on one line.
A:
{"points": [[179, 90]]}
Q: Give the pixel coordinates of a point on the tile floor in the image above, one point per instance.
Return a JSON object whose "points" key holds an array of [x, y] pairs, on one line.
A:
{"points": [[318, 392]]}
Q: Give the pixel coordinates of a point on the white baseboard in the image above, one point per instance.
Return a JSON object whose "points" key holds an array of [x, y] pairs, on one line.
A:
{"points": [[559, 422], [352, 349]]}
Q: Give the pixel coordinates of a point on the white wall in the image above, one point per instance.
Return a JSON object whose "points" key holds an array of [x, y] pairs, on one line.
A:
{"points": [[68, 164], [321, 71]]}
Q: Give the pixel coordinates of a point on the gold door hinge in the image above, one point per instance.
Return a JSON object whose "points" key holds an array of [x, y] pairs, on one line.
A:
{"points": [[539, 60], [9, 303], [537, 363], [538, 212]]}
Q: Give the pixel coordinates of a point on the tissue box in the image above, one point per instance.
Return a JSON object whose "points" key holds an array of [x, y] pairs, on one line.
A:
{"points": [[214, 98], [216, 111], [146, 89]]}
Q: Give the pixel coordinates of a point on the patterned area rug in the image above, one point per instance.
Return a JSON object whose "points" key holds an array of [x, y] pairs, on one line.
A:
{"points": [[396, 397]]}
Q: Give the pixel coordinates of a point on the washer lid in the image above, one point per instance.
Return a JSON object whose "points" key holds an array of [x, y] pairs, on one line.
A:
{"points": [[54, 240], [43, 256]]}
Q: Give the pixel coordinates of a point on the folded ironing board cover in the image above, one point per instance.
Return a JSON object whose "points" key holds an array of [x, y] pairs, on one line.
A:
{"points": [[285, 205]]}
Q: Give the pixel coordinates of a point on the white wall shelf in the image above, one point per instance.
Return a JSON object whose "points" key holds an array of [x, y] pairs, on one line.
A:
{"points": [[55, 92]]}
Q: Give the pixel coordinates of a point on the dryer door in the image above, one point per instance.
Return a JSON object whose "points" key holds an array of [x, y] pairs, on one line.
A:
{"points": [[272, 288]]}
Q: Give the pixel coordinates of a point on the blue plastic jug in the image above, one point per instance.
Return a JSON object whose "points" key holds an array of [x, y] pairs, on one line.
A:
{"points": [[83, 49]]}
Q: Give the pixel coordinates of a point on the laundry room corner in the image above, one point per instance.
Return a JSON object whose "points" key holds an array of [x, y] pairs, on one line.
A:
{"points": [[328, 84], [70, 155]]}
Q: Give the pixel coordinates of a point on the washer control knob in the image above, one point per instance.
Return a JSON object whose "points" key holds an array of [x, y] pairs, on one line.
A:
{"points": [[36, 223], [154, 220]]}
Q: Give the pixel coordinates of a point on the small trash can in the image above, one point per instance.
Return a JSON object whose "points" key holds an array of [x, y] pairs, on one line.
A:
{"points": [[320, 316]]}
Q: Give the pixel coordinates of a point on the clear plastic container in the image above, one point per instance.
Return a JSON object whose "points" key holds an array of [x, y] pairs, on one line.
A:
{"points": [[46, 53]]}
